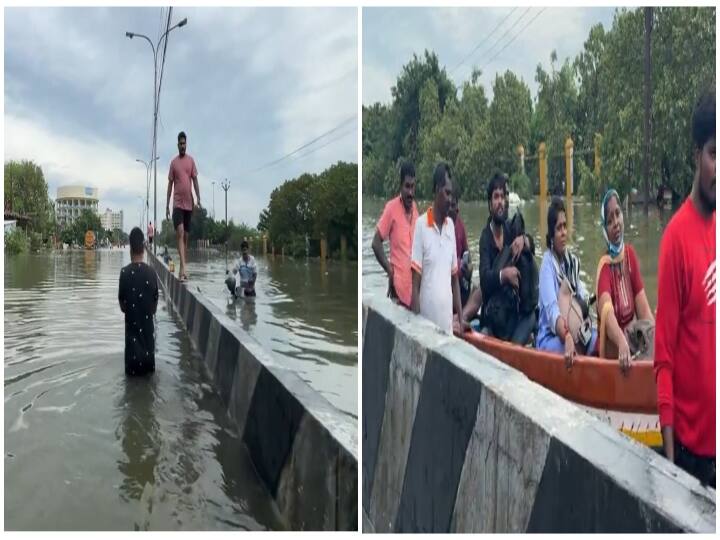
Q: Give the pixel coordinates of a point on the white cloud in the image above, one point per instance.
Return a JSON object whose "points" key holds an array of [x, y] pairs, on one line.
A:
{"points": [[247, 85], [454, 32]]}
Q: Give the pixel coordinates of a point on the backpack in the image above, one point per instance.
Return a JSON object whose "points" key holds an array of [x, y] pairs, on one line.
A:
{"points": [[506, 306]]}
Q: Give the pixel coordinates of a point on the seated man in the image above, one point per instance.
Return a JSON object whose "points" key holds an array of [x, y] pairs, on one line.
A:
{"points": [[245, 274], [504, 313]]}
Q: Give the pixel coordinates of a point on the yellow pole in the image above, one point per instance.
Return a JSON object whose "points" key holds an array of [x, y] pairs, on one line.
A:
{"points": [[568, 169], [264, 244], [598, 142], [323, 247], [521, 154], [542, 163]]}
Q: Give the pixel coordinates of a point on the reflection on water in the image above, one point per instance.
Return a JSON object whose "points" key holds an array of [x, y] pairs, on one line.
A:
{"points": [[139, 433], [305, 312], [586, 240], [88, 448]]}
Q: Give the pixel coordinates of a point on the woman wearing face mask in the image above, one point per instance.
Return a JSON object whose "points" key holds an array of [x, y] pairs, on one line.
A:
{"points": [[560, 269], [620, 289]]}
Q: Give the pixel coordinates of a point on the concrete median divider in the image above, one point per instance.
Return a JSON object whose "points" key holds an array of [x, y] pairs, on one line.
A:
{"points": [[303, 448], [453, 440]]}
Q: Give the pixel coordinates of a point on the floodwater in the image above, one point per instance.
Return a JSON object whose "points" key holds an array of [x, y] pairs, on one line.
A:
{"points": [[88, 448], [586, 239], [305, 313]]}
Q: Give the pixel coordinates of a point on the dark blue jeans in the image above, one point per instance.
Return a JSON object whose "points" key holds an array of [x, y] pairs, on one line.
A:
{"points": [[523, 329]]}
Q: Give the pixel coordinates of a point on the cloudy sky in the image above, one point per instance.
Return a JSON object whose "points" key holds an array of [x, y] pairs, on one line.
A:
{"points": [[493, 39], [247, 85]]}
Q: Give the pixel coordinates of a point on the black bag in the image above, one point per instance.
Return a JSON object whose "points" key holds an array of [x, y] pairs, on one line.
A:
{"points": [[500, 314]]}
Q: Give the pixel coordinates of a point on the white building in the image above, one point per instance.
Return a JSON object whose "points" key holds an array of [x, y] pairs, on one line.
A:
{"points": [[72, 200], [112, 220]]}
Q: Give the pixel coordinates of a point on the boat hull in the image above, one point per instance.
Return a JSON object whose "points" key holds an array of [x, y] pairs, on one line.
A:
{"points": [[627, 402]]}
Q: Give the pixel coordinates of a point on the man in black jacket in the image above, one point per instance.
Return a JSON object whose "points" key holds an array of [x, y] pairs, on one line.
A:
{"points": [[501, 313]]}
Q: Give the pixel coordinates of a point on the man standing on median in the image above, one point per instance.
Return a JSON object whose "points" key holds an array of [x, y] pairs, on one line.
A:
{"points": [[397, 224], [138, 298], [183, 176], [435, 286], [685, 321]]}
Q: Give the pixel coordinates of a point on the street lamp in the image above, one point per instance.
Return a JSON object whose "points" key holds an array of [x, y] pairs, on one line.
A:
{"points": [[155, 102], [213, 185], [226, 185], [147, 188]]}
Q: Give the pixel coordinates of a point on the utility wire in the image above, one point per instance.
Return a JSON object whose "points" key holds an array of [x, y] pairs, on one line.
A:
{"points": [[483, 41], [516, 35], [302, 147], [506, 32], [512, 39], [328, 143]]}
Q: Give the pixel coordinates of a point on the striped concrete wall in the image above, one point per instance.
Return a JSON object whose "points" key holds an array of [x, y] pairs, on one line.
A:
{"points": [[304, 449], [455, 441]]}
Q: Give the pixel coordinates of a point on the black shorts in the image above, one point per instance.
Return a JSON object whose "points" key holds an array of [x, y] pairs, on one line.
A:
{"points": [[181, 216]]}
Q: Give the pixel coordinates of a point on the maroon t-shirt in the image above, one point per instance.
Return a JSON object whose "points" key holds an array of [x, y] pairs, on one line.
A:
{"points": [[622, 282], [461, 244]]}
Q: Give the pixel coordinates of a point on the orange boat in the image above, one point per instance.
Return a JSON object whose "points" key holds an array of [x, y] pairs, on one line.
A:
{"points": [[628, 402]]}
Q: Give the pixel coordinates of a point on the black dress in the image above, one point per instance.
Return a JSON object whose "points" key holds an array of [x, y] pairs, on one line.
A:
{"points": [[138, 297]]}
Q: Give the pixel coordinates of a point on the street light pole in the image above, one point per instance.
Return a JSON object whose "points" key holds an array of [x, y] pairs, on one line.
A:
{"points": [[225, 186], [213, 188], [155, 103], [146, 213]]}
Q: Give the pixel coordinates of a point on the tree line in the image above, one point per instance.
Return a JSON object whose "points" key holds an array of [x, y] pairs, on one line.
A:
{"points": [[595, 97], [311, 207]]}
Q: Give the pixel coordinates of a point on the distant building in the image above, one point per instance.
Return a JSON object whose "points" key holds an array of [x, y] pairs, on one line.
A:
{"points": [[112, 220], [72, 200]]}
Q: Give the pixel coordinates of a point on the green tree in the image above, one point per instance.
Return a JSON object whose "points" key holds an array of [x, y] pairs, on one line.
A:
{"points": [[590, 66], [406, 101], [509, 119], [555, 114], [26, 193]]}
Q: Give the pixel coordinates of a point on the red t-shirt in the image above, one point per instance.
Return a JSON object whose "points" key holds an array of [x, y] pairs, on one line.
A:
{"points": [[685, 330], [622, 282], [182, 171]]}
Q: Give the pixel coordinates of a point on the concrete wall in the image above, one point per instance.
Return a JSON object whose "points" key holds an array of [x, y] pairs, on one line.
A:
{"points": [[304, 450], [455, 441]]}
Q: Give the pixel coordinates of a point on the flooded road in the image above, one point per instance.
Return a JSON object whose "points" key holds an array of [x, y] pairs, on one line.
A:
{"points": [[305, 312], [88, 448]]}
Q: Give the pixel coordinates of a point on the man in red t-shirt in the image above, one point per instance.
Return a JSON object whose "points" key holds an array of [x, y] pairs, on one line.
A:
{"points": [[685, 322], [182, 176]]}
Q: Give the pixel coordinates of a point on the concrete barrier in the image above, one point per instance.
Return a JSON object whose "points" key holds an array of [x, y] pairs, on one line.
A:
{"points": [[453, 440], [303, 448]]}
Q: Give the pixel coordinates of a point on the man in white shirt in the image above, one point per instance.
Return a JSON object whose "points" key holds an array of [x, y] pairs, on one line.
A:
{"points": [[435, 286], [245, 274]]}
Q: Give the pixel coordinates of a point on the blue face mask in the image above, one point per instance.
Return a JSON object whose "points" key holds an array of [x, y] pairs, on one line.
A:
{"points": [[613, 249]]}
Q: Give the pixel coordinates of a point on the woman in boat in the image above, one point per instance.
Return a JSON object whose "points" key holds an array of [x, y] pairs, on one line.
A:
{"points": [[563, 325], [623, 307]]}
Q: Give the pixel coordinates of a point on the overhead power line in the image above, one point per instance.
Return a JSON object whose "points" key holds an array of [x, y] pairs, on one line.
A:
{"points": [[483, 41], [516, 36], [302, 147]]}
